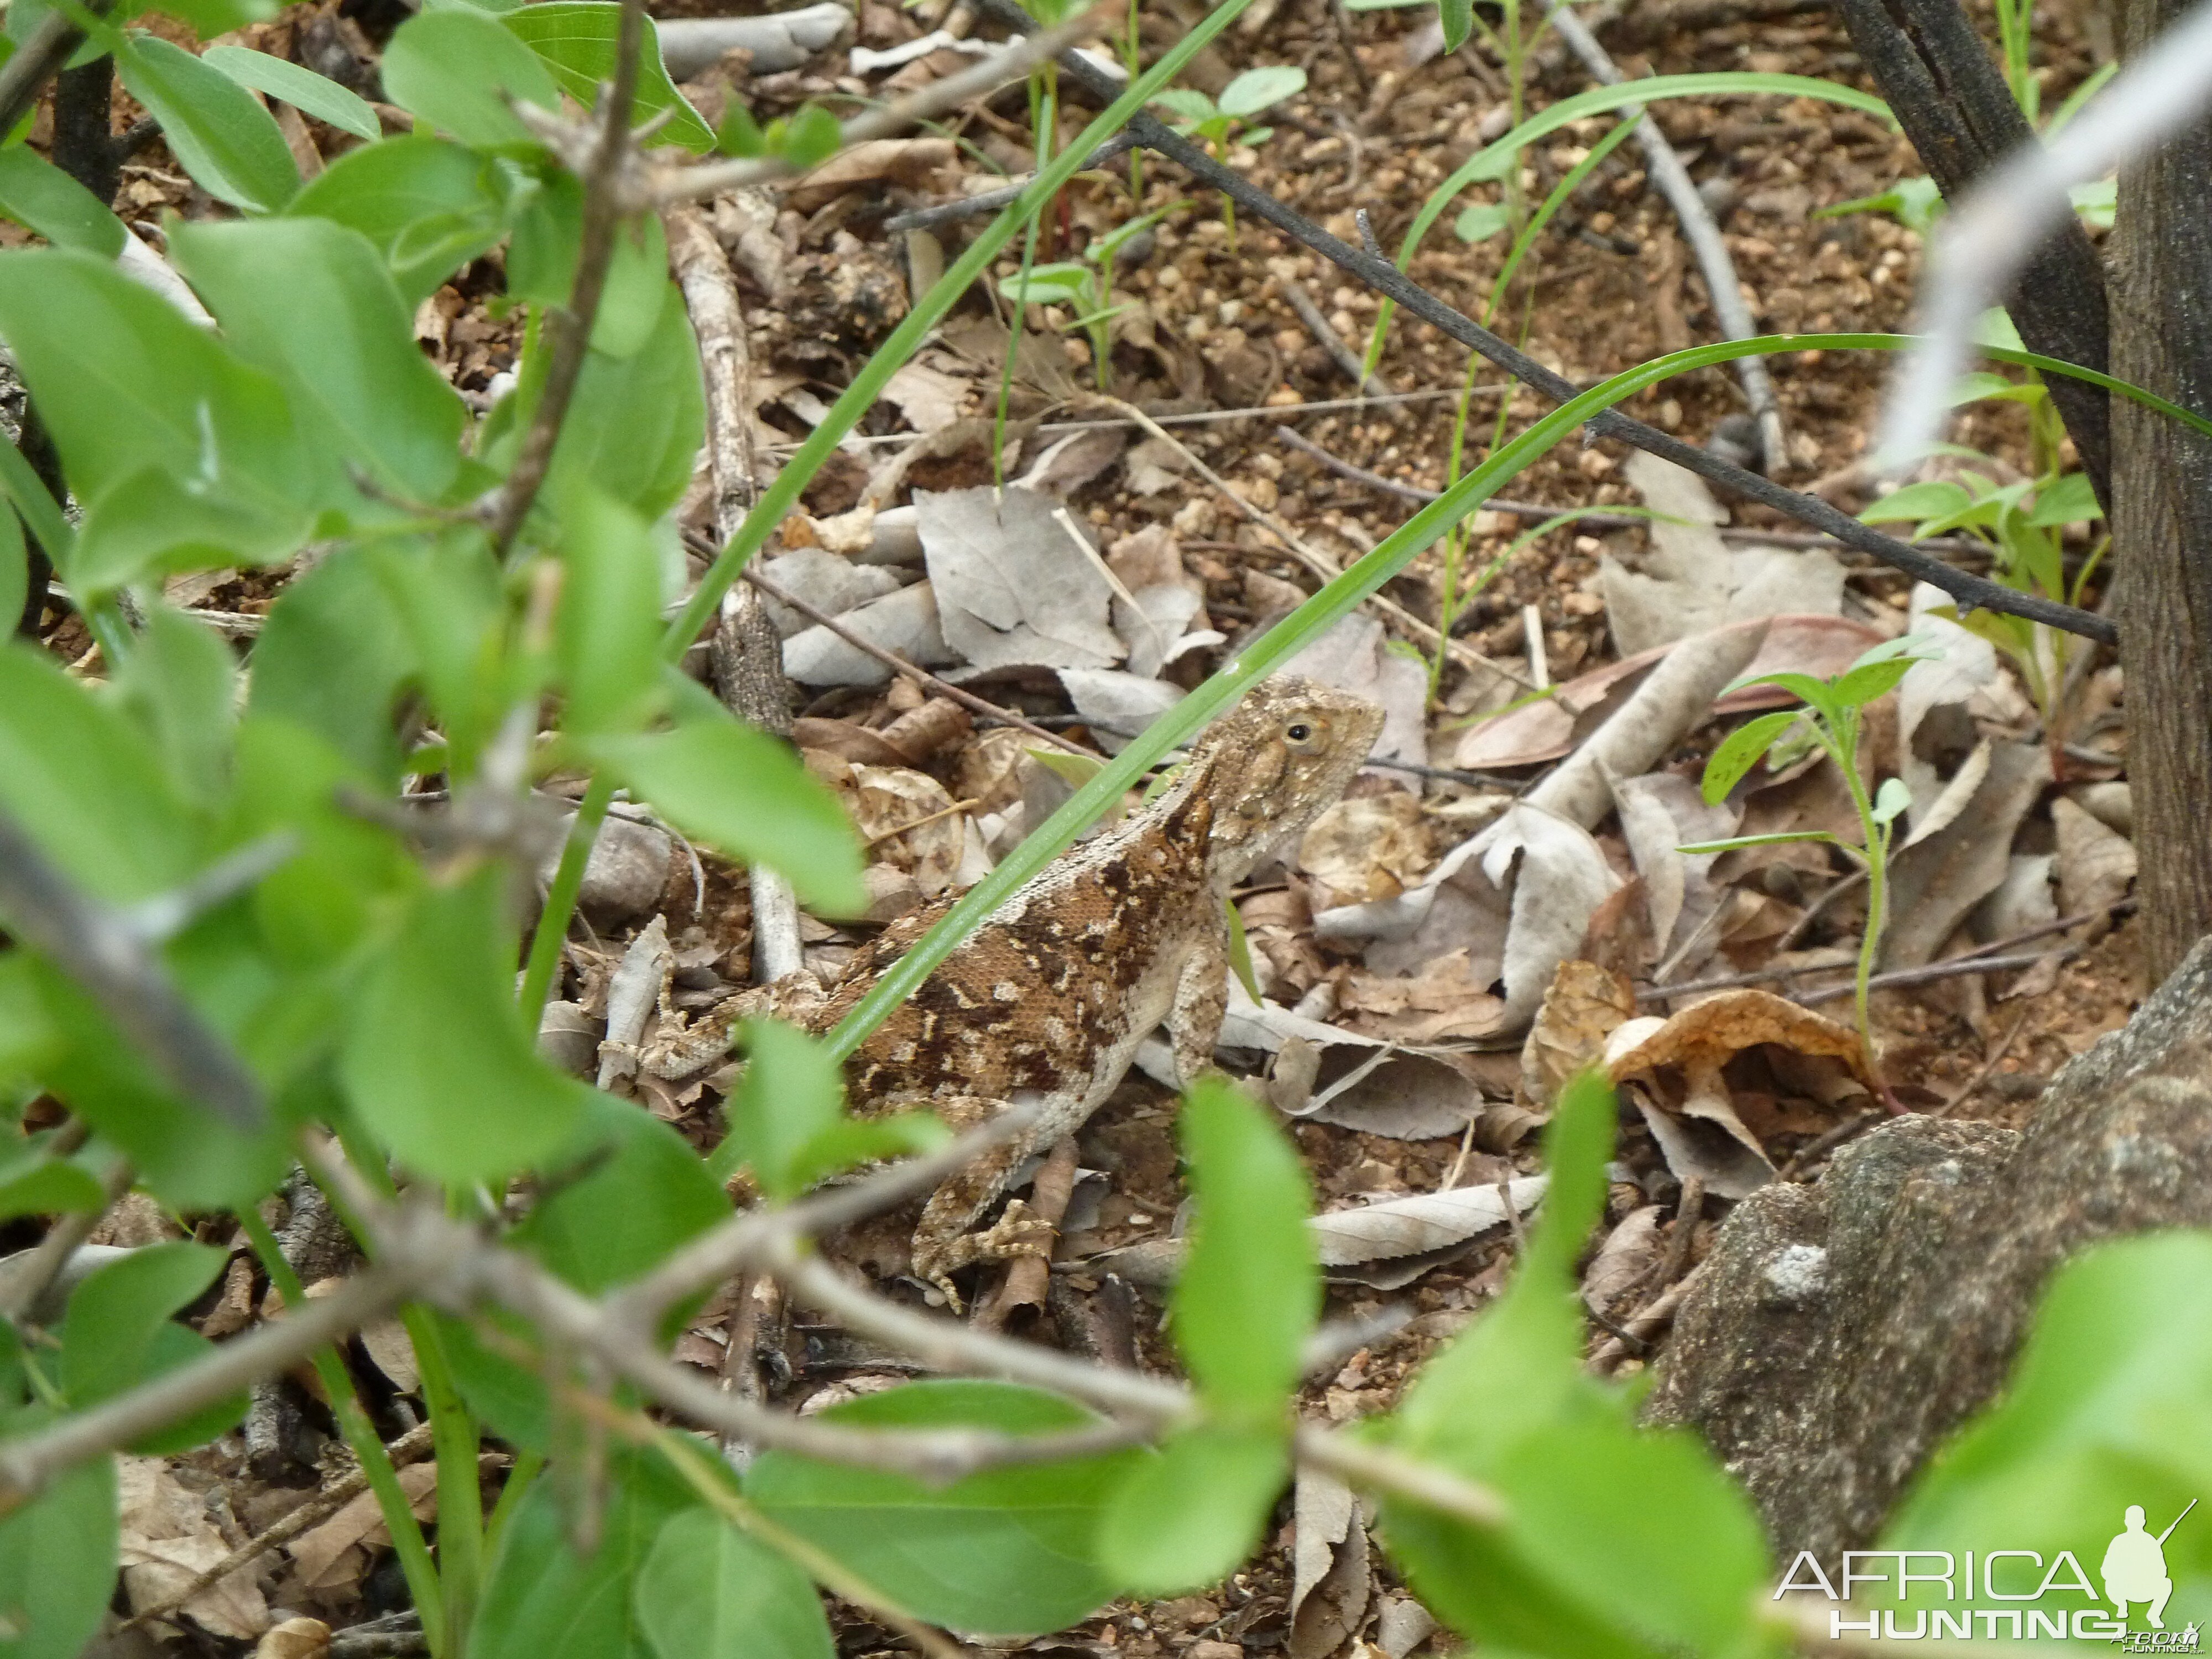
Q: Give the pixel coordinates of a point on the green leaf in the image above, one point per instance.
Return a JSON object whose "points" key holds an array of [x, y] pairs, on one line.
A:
{"points": [[153, 524], [1240, 951], [740, 134], [1247, 1298], [2066, 499], [87, 784], [644, 1192], [15, 567], [113, 1313], [1192, 1513], [210, 18], [37, 193], [1936, 498], [792, 1094], [1187, 102], [1062, 283], [305, 90], [541, 265], [29, 1039], [311, 302], [1741, 750], [37, 1184], [427, 205], [1008, 1552], [1256, 89], [2107, 1406], [228, 143], [1732, 842], [124, 382], [58, 1564], [745, 795], [576, 38], [543, 1600], [636, 423], [1482, 222], [1858, 687], [181, 683], [1815, 694], [707, 1590], [436, 1060], [1893, 797], [332, 658], [1073, 770], [607, 630], [451, 68], [1457, 17], [812, 138]]}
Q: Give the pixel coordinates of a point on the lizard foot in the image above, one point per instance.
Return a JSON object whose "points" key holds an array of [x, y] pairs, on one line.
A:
{"points": [[1018, 1232]]}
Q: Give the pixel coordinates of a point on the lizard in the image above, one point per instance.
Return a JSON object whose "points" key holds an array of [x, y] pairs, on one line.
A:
{"points": [[1048, 998]]}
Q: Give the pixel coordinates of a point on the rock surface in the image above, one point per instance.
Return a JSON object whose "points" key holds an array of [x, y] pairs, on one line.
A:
{"points": [[1840, 1331]]}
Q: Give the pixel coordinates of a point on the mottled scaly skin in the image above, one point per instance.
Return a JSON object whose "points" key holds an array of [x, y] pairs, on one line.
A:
{"points": [[1047, 1000]]}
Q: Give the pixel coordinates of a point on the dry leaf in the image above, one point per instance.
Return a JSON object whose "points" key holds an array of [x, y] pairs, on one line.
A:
{"points": [[885, 800], [1331, 1581], [1012, 587], [1442, 1002], [295, 1639], [1935, 883], [1369, 847], [2095, 866], [1624, 1262], [1424, 1222], [321, 1552], [1583, 1006], [904, 623], [167, 1541]]}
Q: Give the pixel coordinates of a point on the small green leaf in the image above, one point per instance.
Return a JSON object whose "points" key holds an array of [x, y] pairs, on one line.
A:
{"points": [[707, 1590], [607, 631], [332, 658], [228, 143], [643, 1192], [740, 134], [813, 137], [2066, 499], [1936, 498], [1192, 1513], [1858, 687], [1186, 102], [1256, 89], [153, 523], [791, 1094], [311, 302], [1481, 222], [1009, 1551], [745, 795], [57, 1563], [1248, 1296], [576, 38], [305, 90], [182, 684], [1741, 750], [37, 193], [37, 1184], [1774, 839], [1240, 951], [118, 1333], [1457, 17], [1070, 768], [14, 566], [636, 423], [436, 1060], [1893, 797], [426, 204], [452, 69]]}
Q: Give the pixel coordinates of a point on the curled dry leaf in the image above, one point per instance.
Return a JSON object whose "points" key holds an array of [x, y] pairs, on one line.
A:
{"points": [[1672, 1069], [1583, 1006], [2095, 866], [908, 820], [1369, 847], [1934, 883], [294, 1639], [167, 1541], [333, 1555], [1331, 1581], [1416, 1226], [1442, 1002]]}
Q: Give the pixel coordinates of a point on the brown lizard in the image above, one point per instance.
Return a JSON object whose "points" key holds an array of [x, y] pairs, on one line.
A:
{"points": [[1048, 998]]}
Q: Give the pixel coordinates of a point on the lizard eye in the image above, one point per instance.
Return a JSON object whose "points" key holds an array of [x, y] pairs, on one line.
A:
{"points": [[1299, 732]]}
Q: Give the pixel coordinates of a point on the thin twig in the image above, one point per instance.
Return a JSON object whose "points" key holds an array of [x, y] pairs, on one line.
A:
{"points": [[990, 201], [98, 947], [1666, 170], [978, 80], [408, 1449], [899, 664], [28, 1461], [1982, 1071], [1953, 968], [1325, 336], [1972, 592], [568, 328]]}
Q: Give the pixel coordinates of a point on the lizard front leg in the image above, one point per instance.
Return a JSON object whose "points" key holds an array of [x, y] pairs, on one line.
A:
{"points": [[1201, 998]]}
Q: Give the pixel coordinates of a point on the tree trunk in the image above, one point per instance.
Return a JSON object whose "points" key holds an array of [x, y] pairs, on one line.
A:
{"points": [[2161, 331]]}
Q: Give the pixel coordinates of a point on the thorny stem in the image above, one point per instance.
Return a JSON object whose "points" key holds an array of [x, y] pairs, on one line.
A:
{"points": [[568, 330]]}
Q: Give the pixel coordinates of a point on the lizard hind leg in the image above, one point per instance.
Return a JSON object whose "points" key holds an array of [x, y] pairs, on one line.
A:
{"points": [[943, 1240]]}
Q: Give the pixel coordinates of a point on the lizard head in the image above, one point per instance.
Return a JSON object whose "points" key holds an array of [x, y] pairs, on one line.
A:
{"points": [[1276, 760]]}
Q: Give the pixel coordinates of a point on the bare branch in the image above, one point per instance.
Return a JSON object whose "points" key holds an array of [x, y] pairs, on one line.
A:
{"points": [[568, 328], [693, 184], [29, 1461], [103, 952]]}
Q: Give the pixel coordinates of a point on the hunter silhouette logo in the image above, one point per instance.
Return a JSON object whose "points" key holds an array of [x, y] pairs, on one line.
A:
{"points": [[2135, 1567]]}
